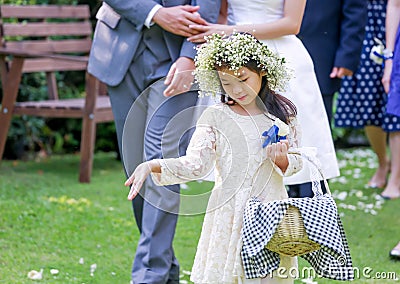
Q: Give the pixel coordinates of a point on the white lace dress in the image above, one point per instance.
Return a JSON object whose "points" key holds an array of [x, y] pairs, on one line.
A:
{"points": [[233, 143], [303, 89]]}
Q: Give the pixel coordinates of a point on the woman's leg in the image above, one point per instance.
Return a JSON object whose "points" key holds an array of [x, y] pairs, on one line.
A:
{"points": [[392, 189], [377, 139]]}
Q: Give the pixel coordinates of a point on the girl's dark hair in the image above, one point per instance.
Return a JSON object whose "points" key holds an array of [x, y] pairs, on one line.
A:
{"points": [[276, 104]]}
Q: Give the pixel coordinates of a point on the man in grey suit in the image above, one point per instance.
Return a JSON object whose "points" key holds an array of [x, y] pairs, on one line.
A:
{"points": [[332, 33], [137, 42]]}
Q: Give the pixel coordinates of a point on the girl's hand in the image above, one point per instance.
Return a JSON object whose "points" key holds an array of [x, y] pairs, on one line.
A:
{"points": [[137, 179], [201, 31], [278, 152]]}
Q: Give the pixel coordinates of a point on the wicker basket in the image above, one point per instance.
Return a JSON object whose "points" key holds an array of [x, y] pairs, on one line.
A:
{"points": [[290, 237]]}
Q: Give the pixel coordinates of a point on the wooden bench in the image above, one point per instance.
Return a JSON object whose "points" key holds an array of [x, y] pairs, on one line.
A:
{"points": [[50, 39]]}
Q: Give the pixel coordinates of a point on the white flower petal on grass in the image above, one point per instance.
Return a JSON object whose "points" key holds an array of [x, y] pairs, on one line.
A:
{"points": [[342, 180], [309, 281], [35, 275], [369, 205], [342, 164], [186, 272], [351, 207], [341, 195], [371, 211], [348, 172], [359, 193], [347, 206], [183, 282], [54, 271], [378, 204], [81, 260], [361, 205], [93, 268], [362, 164], [184, 186]]}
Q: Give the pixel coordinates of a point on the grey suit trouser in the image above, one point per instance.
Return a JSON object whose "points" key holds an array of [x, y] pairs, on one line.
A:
{"points": [[141, 115]]}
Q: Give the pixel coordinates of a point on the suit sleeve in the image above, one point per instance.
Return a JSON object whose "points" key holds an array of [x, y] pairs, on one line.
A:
{"points": [[209, 11], [354, 19], [135, 11]]}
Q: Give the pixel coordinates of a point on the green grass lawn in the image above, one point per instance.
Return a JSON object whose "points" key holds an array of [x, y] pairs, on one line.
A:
{"points": [[86, 231]]}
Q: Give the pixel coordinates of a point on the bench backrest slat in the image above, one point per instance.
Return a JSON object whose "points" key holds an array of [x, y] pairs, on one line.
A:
{"points": [[47, 29], [56, 46], [44, 12], [52, 65]]}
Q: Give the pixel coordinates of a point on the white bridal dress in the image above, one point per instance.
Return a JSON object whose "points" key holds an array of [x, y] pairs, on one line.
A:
{"points": [[233, 143], [303, 89]]}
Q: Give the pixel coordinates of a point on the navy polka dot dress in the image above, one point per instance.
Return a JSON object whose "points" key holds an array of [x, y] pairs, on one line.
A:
{"points": [[362, 99]]}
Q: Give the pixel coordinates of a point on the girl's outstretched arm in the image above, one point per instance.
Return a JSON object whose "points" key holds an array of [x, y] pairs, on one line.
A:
{"points": [[196, 164], [139, 175]]}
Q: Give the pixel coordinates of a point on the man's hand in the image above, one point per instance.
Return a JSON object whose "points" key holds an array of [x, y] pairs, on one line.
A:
{"points": [[180, 77], [340, 72], [178, 18]]}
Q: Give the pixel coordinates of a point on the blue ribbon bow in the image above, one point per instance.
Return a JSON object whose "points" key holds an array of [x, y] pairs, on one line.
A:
{"points": [[271, 136]]}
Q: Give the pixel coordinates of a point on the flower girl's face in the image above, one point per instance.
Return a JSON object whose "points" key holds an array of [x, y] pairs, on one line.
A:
{"points": [[243, 85]]}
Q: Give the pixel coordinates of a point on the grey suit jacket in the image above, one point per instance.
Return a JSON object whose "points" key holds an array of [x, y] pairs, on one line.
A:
{"points": [[118, 33]]}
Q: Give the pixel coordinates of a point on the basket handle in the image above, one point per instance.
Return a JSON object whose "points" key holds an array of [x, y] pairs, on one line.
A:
{"points": [[315, 183]]}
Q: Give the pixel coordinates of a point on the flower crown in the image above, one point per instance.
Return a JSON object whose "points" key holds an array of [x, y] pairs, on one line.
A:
{"points": [[235, 51]]}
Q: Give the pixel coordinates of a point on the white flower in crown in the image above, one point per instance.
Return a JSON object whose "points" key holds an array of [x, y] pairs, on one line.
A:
{"points": [[283, 127], [236, 51]]}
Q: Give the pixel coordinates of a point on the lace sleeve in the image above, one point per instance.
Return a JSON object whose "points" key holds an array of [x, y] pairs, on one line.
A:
{"points": [[198, 161], [294, 137]]}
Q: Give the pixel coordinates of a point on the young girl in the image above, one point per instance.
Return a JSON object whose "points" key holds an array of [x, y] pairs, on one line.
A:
{"points": [[229, 135]]}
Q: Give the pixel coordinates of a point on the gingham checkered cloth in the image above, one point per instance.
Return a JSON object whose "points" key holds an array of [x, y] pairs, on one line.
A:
{"points": [[322, 224]]}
